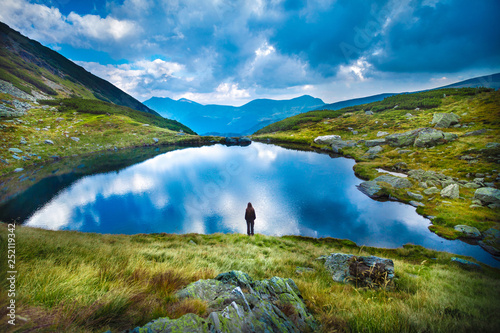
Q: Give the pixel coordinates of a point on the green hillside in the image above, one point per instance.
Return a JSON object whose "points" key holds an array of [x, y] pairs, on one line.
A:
{"points": [[30, 66], [473, 157]]}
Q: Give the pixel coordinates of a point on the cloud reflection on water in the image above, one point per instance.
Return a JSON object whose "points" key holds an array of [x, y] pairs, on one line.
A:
{"points": [[206, 190]]}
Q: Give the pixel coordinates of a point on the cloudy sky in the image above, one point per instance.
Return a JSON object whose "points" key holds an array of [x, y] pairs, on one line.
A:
{"points": [[230, 52]]}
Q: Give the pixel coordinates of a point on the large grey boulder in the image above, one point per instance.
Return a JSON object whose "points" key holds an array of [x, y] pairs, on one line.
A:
{"points": [[335, 141], [237, 303], [374, 150], [450, 191], [402, 139], [445, 120], [371, 189], [431, 190], [468, 231], [396, 182], [359, 270], [326, 139], [429, 137], [488, 195], [422, 137]]}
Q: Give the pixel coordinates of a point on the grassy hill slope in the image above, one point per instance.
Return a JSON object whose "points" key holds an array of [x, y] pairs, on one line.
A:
{"points": [[31, 66], [466, 158]]}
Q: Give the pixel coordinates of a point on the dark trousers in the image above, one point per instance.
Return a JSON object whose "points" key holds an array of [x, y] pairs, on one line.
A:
{"points": [[250, 227]]}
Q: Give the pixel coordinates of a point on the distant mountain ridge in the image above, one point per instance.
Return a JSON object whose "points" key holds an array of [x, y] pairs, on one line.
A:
{"points": [[231, 120], [31, 66]]}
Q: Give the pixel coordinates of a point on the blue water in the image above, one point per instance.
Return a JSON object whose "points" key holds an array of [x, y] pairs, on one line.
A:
{"points": [[206, 190]]}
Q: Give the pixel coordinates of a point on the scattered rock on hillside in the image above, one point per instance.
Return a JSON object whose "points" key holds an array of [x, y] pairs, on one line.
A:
{"points": [[415, 196], [468, 231], [429, 137], [431, 190], [49, 142], [488, 195], [400, 166], [381, 133], [466, 264], [75, 139], [478, 132], [491, 241], [422, 137], [445, 120], [370, 113], [155, 140], [374, 150], [361, 271], [375, 142], [237, 303], [396, 182], [371, 189], [450, 191], [326, 139], [15, 150], [402, 139]]}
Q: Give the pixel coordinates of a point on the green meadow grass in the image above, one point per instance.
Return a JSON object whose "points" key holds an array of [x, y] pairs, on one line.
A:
{"points": [[82, 282]]}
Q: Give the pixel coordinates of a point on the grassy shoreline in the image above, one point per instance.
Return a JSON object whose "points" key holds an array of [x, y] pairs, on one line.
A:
{"points": [[85, 282]]}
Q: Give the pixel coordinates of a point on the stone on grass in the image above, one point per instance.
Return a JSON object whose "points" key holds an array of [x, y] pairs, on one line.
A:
{"points": [[371, 189], [381, 133], [466, 264], [375, 142], [360, 271], [155, 140], [18, 170], [396, 182], [49, 142], [326, 139], [450, 191], [15, 150], [445, 120], [75, 139], [416, 203], [415, 196], [487, 195], [370, 113], [374, 150], [468, 231]]}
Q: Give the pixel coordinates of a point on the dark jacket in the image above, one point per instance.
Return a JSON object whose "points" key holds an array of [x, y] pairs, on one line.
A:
{"points": [[250, 214]]}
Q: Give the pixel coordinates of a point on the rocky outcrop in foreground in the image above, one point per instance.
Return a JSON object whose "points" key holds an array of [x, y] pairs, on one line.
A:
{"points": [[369, 271], [237, 303]]}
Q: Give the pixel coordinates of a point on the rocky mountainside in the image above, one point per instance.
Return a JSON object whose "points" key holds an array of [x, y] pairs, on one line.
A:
{"points": [[41, 73], [224, 119]]}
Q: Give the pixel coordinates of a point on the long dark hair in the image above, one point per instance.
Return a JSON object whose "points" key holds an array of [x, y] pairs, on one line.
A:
{"points": [[249, 207]]}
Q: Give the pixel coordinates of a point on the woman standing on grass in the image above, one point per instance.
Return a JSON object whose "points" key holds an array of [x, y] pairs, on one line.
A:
{"points": [[250, 218]]}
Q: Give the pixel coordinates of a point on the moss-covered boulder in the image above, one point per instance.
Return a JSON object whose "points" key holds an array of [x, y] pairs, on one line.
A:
{"points": [[445, 120], [237, 303]]}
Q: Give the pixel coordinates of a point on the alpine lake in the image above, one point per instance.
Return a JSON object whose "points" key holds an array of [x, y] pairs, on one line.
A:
{"points": [[206, 190]]}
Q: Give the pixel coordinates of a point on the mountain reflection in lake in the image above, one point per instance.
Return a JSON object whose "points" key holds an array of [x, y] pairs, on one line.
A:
{"points": [[205, 190]]}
